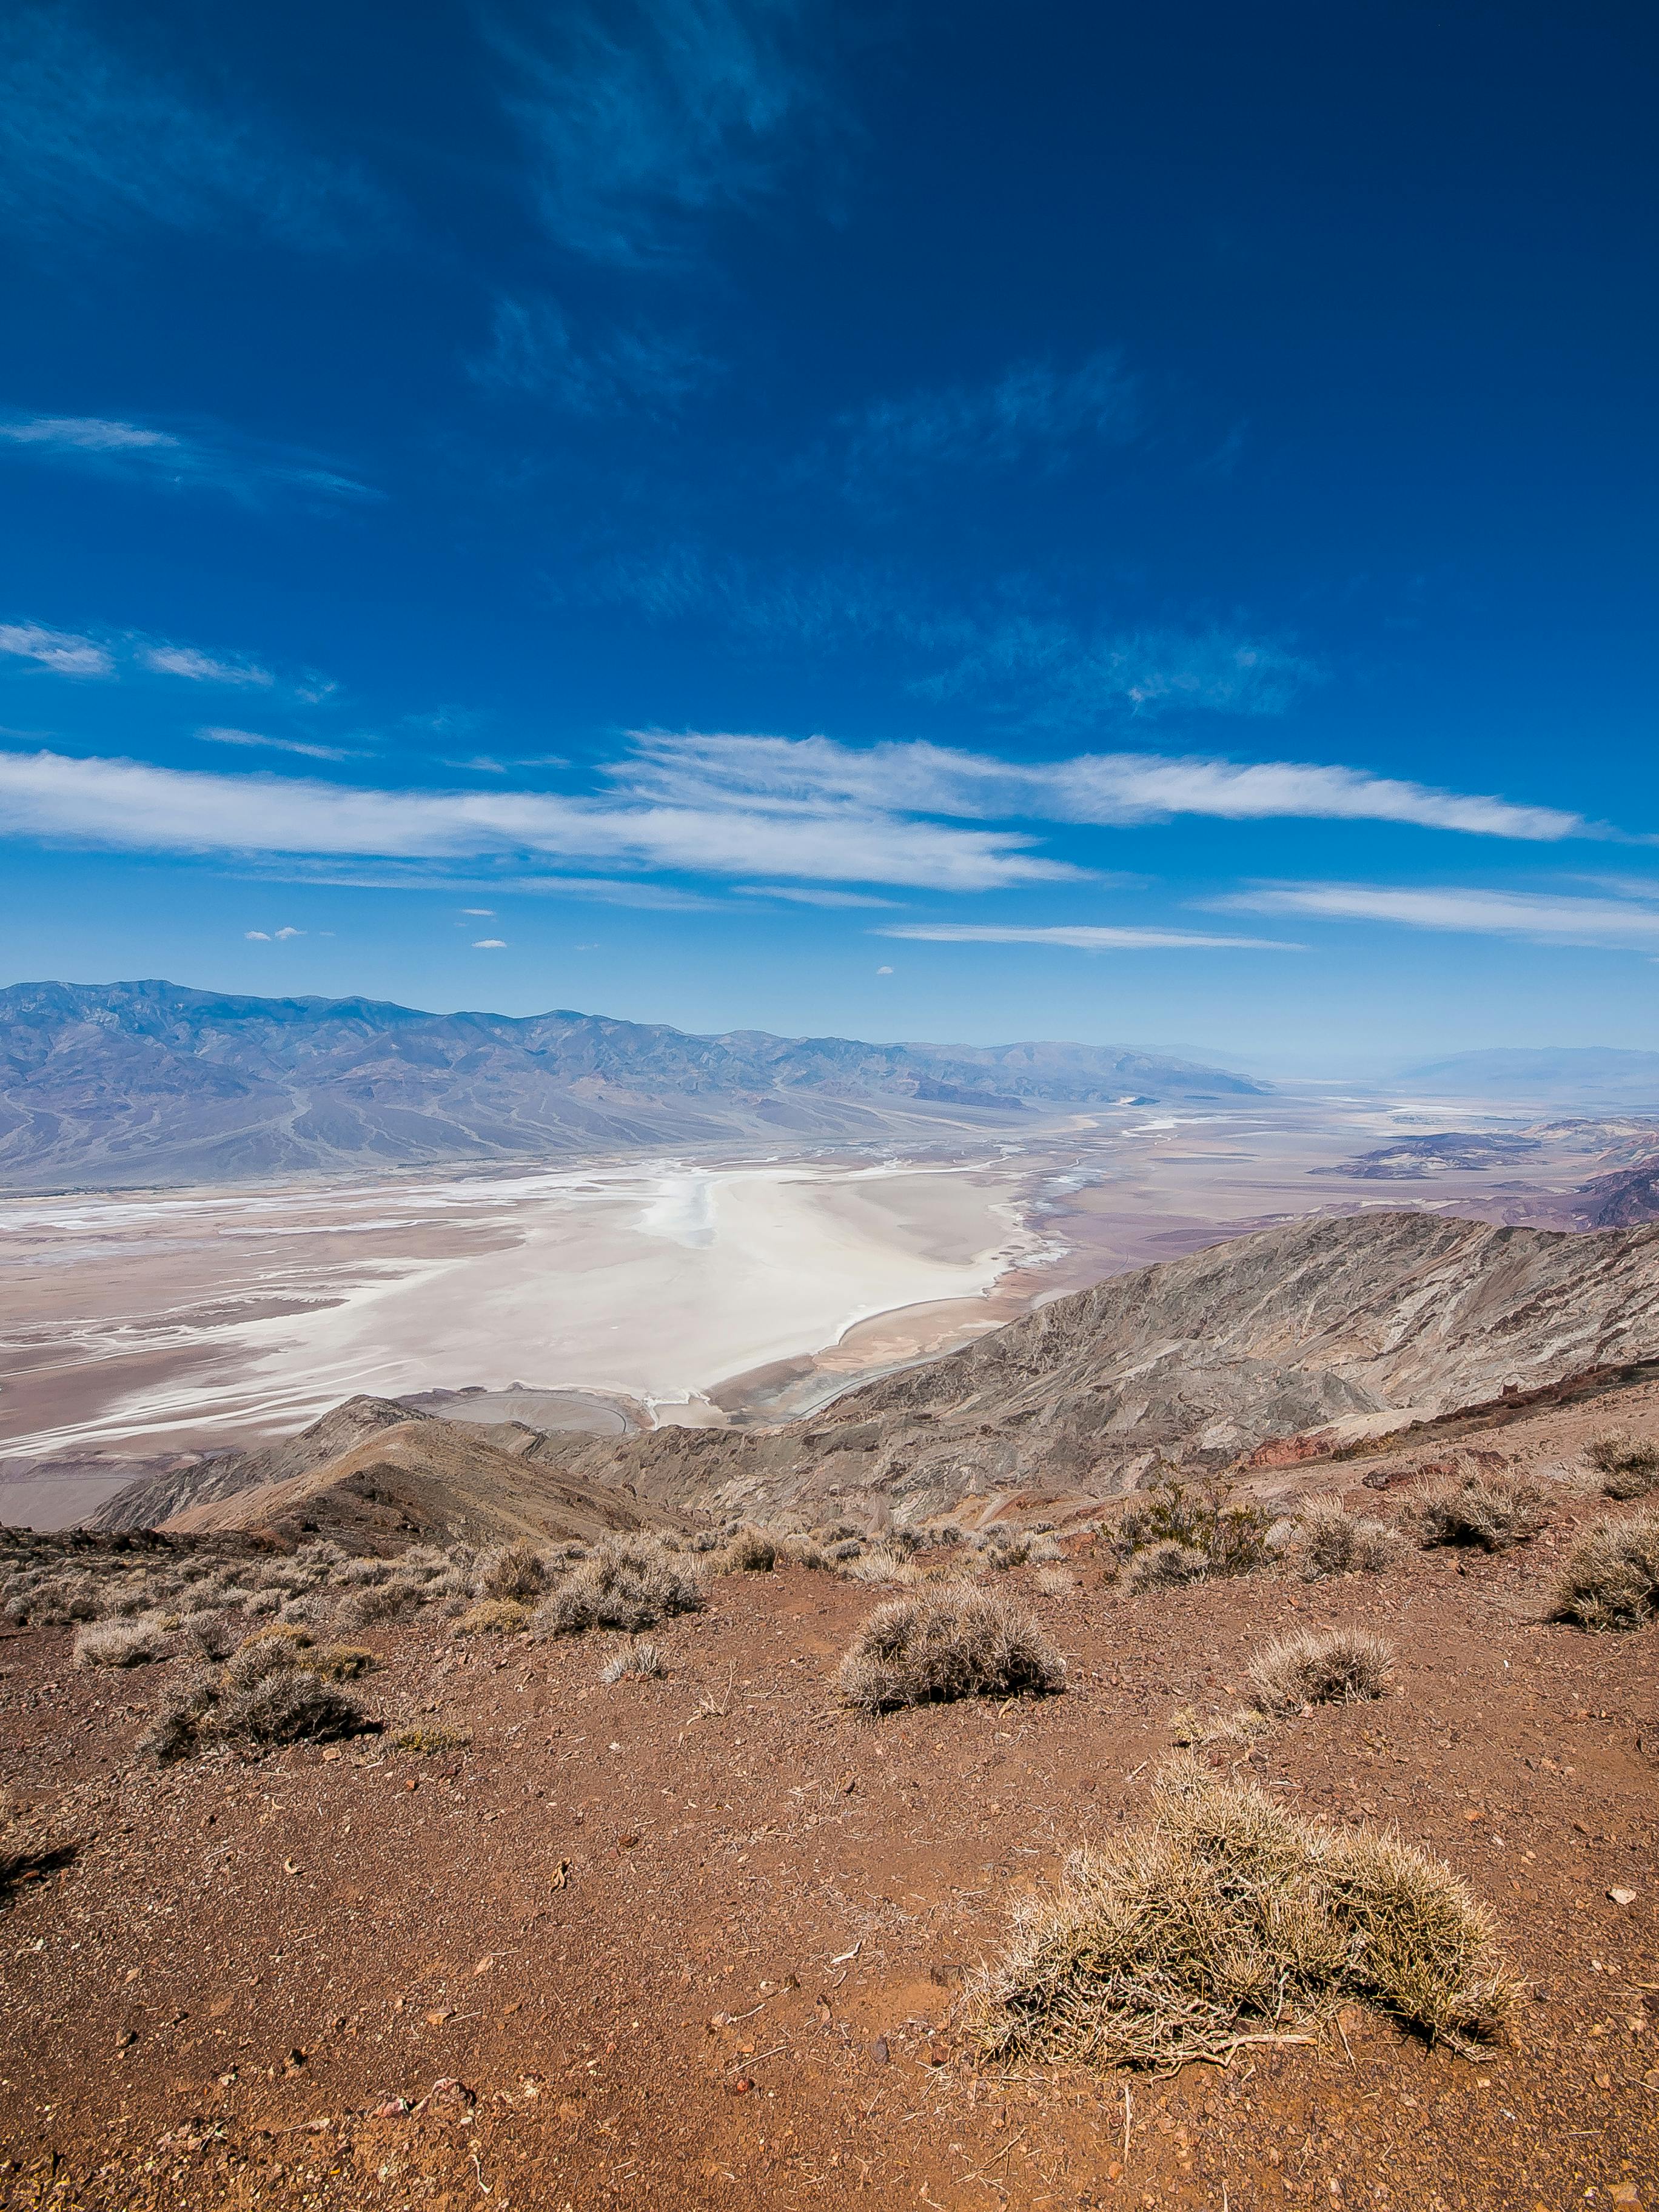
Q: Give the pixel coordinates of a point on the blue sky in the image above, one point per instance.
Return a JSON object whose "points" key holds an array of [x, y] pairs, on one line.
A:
{"points": [[920, 521]]}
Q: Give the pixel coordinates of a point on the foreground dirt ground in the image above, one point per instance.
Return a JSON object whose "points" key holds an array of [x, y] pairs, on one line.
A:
{"points": [[697, 1942]]}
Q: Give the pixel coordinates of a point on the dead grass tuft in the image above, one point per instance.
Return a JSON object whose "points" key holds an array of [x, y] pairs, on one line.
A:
{"points": [[642, 1660], [918, 1651], [1173, 1533], [1611, 1578], [1166, 1565], [1337, 1666], [1629, 1464], [628, 1582], [293, 1706], [1493, 1512], [1331, 1541], [1228, 1922]]}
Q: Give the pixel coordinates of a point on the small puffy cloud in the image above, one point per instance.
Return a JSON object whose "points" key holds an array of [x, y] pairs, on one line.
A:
{"points": [[490, 944], [58, 650], [258, 935], [480, 913], [883, 972], [282, 933]]}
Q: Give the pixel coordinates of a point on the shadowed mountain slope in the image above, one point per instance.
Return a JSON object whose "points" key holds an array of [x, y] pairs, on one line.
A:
{"points": [[148, 1083]]}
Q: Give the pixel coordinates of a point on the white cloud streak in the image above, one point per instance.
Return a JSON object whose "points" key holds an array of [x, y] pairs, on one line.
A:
{"points": [[174, 460], [1031, 408], [534, 352], [1108, 789], [1080, 937], [131, 805], [59, 650], [198, 667], [799, 898], [1540, 917], [254, 739]]}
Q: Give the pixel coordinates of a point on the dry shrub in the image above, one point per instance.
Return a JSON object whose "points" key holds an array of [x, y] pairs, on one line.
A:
{"points": [[493, 1616], [1630, 1464], [513, 1570], [1176, 1522], [642, 1660], [1054, 1581], [1611, 1578], [118, 1643], [1492, 1511], [379, 1602], [1228, 1921], [629, 1583], [176, 1727], [1339, 1666], [341, 1663], [292, 1706], [206, 1633], [1331, 1541], [433, 1739], [803, 1552], [889, 1564], [752, 1551], [1165, 1565], [917, 1650]]}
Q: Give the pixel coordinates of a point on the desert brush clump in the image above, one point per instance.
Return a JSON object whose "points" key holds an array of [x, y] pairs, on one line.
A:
{"points": [[1228, 1921], [892, 1565], [276, 1688], [518, 1570], [118, 1644], [1611, 1578], [1328, 1539], [1628, 1465], [960, 1644], [1320, 1666], [493, 1616], [750, 1551], [1490, 1511], [629, 1583], [1194, 1531]]}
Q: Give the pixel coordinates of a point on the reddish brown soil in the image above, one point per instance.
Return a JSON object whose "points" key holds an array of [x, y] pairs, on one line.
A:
{"points": [[614, 1954]]}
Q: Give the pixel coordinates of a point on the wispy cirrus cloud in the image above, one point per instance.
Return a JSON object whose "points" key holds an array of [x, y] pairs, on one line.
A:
{"points": [[137, 806], [198, 667], [1540, 917], [641, 120], [61, 652], [175, 461], [97, 139], [1032, 412], [535, 352], [255, 740], [1081, 937], [794, 895], [1104, 788], [1031, 667]]}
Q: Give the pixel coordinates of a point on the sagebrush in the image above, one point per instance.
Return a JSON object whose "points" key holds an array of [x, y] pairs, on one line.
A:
{"points": [[961, 1643]]}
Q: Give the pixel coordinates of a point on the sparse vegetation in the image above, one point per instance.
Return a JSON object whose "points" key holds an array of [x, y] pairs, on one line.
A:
{"points": [[292, 1706], [1227, 1922], [431, 1739], [1331, 1541], [1492, 1512], [917, 1650], [1611, 1578], [1193, 1532], [629, 1583], [275, 1689], [1337, 1666], [1629, 1465]]}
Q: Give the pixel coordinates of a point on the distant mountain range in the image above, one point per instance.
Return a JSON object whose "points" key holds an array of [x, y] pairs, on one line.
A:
{"points": [[118, 1085], [1587, 1075]]}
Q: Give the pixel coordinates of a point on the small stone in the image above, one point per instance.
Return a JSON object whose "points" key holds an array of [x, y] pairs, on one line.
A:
{"points": [[1622, 1896], [879, 2052]]}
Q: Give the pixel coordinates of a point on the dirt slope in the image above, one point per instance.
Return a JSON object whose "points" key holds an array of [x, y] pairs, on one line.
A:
{"points": [[430, 1478], [624, 1950], [1370, 1319]]}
